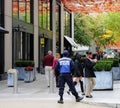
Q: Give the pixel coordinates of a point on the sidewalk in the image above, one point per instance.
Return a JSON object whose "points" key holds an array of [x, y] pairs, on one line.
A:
{"points": [[38, 90]]}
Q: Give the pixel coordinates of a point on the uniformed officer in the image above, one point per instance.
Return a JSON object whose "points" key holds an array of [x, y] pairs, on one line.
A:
{"points": [[65, 67]]}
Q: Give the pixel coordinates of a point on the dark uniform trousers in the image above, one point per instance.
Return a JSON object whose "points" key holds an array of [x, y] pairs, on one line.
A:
{"points": [[66, 78]]}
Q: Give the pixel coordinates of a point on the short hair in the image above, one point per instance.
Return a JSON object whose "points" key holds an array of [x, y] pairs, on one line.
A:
{"points": [[57, 55], [89, 53], [49, 52]]}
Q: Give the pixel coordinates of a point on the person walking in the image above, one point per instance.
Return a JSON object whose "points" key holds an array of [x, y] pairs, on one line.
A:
{"points": [[57, 57], [78, 73], [65, 68], [47, 64], [89, 74]]}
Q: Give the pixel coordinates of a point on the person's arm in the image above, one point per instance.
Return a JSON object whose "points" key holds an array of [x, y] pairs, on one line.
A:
{"points": [[90, 64], [57, 68], [72, 67]]}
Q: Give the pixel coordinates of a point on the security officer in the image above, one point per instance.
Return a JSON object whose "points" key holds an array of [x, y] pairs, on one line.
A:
{"points": [[65, 67]]}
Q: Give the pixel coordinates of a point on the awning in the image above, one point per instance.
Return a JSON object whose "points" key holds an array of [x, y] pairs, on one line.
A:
{"points": [[71, 41], [81, 48], [3, 30]]}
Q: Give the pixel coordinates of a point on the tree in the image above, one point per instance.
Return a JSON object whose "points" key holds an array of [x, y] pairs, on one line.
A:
{"points": [[112, 22], [81, 32], [102, 28]]}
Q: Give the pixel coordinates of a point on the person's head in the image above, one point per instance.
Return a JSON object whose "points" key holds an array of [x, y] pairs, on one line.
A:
{"points": [[89, 54], [78, 57], [57, 55], [65, 53], [49, 52]]}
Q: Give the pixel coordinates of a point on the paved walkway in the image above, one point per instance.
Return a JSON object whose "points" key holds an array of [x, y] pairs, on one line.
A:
{"points": [[37, 92]]}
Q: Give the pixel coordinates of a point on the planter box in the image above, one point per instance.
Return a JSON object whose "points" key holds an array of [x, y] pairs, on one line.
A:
{"points": [[104, 80], [30, 76], [21, 73], [26, 76], [116, 73]]}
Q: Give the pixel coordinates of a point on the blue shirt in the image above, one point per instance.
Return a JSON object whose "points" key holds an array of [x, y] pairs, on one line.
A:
{"points": [[64, 65]]}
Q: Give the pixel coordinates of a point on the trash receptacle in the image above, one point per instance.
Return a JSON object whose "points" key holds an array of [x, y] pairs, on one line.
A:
{"points": [[12, 73], [12, 79]]}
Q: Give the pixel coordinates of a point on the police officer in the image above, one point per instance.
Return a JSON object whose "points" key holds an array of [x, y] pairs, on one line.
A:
{"points": [[65, 67]]}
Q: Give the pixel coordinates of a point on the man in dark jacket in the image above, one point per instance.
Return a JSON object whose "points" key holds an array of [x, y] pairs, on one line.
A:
{"points": [[65, 67], [89, 74]]}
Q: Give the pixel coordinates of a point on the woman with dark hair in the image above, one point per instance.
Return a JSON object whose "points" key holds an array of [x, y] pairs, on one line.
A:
{"points": [[78, 72]]}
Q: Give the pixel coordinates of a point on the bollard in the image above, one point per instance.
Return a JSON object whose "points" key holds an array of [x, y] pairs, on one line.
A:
{"points": [[15, 78], [52, 82]]}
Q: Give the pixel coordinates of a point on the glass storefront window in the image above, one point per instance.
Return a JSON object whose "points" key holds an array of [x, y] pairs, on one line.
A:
{"points": [[44, 14], [28, 11], [1, 12], [15, 9], [22, 10], [23, 46], [67, 24], [57, 28]]}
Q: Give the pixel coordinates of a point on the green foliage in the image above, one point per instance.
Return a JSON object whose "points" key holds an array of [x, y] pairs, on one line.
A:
{"points": [[81, 29], [92, 27], [99, 67], [119, 60], [112, 22], [114, 60], [24, 63], [103, 65]]}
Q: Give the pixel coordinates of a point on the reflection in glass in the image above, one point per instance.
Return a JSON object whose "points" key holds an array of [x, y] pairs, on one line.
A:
{"points": [[44, 14], [22, 10]]}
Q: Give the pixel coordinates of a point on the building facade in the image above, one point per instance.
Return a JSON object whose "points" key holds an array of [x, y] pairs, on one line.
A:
{"points": [[35, 26]]}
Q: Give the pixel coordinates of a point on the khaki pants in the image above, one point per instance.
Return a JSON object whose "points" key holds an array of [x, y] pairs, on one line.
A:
{"points": [[90, 83], [49, 74]]}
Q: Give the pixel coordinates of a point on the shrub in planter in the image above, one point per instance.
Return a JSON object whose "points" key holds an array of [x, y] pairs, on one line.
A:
{"points": [[115, 61], [104, 76], [21, 65], [103, 65], [119, 60], [24, 63], [99, 66], [108, 67]]}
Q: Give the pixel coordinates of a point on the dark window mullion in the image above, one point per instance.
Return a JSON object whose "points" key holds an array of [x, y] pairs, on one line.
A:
{"points": [[31, 11]]}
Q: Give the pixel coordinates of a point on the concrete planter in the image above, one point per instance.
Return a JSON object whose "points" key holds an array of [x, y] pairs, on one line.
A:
{"points": [[21, 73], [30, 76], [26, 76], [104, 80], [116, 73]]}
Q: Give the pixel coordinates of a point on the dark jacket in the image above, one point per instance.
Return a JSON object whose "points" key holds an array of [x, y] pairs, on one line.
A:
{"points": [[89, 70], [78, 69]]}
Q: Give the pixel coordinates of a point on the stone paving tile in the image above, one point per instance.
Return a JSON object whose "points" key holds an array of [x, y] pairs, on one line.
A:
{"points": [[38, 90]]}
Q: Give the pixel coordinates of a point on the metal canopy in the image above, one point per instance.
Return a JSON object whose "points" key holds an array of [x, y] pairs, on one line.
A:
{"points": [[71, 41], [3, 30]]}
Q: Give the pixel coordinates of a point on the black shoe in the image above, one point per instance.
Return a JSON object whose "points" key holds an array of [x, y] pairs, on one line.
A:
{"points": [[60, 101], [57, 86], [83, 93], [89, 96], [79, 99]]}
